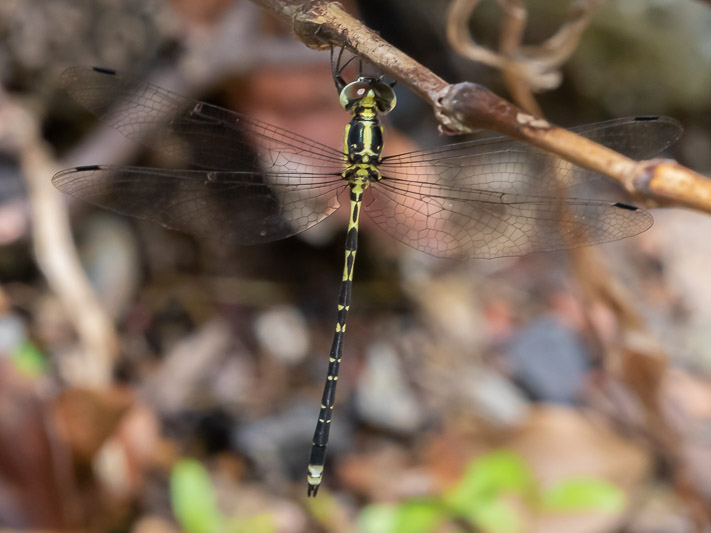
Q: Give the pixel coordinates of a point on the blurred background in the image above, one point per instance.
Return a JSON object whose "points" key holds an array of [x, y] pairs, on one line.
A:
{"points": [[178, 389]]}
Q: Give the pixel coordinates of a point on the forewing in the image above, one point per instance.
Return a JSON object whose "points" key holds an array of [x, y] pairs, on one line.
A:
{"points": [[504, 165], [224, 207], [200, 134]]}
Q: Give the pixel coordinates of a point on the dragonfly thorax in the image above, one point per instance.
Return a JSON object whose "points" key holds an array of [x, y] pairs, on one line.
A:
{"points": [[363, 145], [364, 99]]}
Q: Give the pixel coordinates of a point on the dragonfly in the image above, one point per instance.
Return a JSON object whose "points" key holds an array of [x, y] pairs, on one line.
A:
{"points": [[245, 181]]}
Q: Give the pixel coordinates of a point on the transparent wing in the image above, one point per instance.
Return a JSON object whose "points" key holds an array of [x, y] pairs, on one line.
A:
{"points": [[504, 165], [249, 181], [225, 207], [500, 197], [486, 198], [199, 134], [463, 223]]}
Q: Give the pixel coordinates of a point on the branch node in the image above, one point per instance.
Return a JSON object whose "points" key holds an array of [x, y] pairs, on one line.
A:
{"points": [[310, 26], [466, 107]]}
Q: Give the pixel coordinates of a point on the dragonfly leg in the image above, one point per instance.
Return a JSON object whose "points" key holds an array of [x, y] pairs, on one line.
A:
{"points": [[337, 69]]}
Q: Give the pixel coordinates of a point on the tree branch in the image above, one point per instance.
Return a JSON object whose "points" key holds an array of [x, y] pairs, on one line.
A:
{"points": [[55, 251], [466, 107]]}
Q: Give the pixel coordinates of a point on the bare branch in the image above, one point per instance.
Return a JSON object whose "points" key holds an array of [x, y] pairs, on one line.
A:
{"points": [[535, 66], [525, 69], [320, 24], [509, 44]]}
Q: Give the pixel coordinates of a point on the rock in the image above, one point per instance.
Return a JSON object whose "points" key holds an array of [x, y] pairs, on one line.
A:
{"points": [[383, 397], [282, 332], [549, 360]]}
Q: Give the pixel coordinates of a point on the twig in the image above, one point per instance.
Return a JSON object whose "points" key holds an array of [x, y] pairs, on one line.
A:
{"points": [[466, 107], [537, 65], [55, 250], [320, 24], [509, 44], [525, 69], [518, 79]]}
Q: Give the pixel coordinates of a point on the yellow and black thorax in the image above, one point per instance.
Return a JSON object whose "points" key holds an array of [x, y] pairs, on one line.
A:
{"points": [[363, 144]]}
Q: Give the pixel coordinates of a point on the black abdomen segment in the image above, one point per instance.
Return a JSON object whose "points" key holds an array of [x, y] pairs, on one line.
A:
{"points": [[317, 457]]}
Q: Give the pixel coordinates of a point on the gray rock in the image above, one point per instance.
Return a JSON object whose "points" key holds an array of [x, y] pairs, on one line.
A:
{"points": [[383, 397], [549, 360]]}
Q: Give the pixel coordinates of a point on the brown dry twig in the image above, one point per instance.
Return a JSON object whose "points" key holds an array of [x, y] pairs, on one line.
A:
{"points": [[525, 69], [467, 107], [55, 250], [536, 65]]}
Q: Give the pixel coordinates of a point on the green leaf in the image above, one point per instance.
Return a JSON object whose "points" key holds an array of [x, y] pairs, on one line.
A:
{"points": [[261, 523], [487, 478], [193, 498], [415, 516], [497, 516], [378, 518], [29, 360], [418, 517], [584, 494]]}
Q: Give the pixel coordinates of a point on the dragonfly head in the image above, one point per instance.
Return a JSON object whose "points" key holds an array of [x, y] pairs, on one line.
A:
{"points": [[368, 93]]}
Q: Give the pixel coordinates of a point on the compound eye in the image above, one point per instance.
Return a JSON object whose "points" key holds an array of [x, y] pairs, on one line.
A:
{"points": [[384, 96], [353, 93]]}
